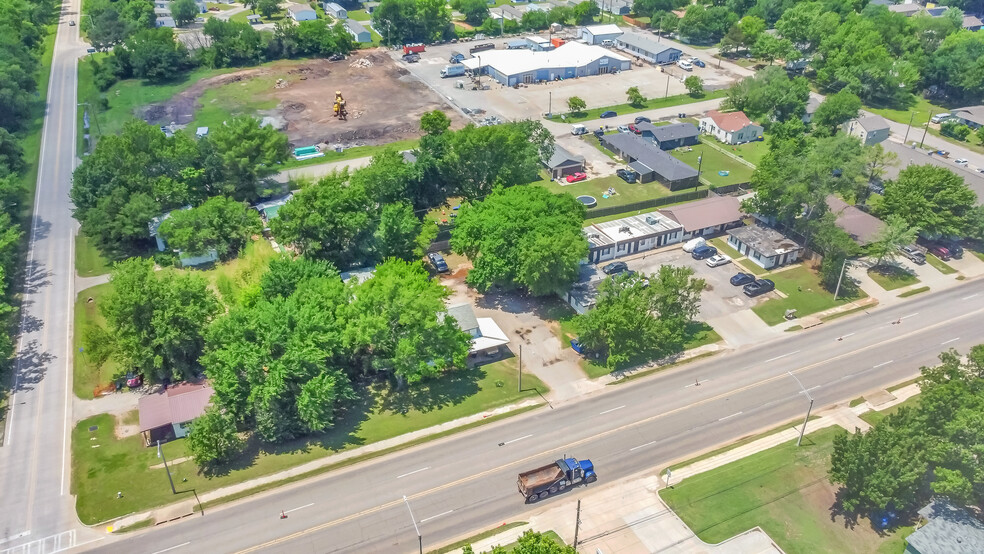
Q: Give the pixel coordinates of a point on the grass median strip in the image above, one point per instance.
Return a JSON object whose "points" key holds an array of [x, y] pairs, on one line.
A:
{"points": [[913, 292], [940, 265], [804, 293], [651, 104], [892, 277]]}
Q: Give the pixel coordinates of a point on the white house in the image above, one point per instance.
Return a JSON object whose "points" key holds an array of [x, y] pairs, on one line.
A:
{"points": [[871, 129], [730, 128], [359, 33], [336, 11], [596, 34], [487, 337], [765, 247], [301, 12]]}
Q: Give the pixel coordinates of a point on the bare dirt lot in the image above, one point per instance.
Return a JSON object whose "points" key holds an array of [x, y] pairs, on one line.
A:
{"points": [[384, 100]]}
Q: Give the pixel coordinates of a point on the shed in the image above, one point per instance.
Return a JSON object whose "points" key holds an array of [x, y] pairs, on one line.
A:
{"points": [[562, 163], [254, 19], [270, 208], [764, 246], [201, 132], [649, 50], [596, 34], [168, 414], [335, 10], [359, 33], [301, 12]]}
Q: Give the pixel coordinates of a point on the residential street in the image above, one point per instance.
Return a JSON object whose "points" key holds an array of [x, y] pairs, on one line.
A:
{"points": [[624, 429]]}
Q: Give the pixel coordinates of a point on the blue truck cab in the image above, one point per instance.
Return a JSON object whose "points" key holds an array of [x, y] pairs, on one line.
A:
{"points": [[550, 479]]}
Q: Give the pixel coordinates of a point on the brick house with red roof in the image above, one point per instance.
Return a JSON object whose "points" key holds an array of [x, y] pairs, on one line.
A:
{"points": [[731, 127]]}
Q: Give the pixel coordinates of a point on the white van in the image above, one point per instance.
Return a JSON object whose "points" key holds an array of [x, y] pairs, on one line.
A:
{"points": [[683, 64], [608, 42], [693, 244], [579, 129]]}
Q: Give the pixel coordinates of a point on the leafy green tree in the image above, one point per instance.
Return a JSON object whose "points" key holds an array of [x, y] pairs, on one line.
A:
{"points": [[268, 8], [836, 246], [636, 99], [954, 129], [158, 319], [522, 237], [560, 14], [406, 21], [575, 104], [805, 24], [957, 64], [184, 11], [435, 122], [752, 28], [213, 438], [155, 55], [771, 93], [738, 95], [585, 12], [771, 48], [535, 543], [980, 134], [400, 233], [11, 154], [231, 44], [219, 224], [477, 158], [534, 20], [932, 199], [328, 221], [897, 232], [876, 162], [695, 85], [647, 8], [634, 320], [251, 4], [246, 153], [665, 22], [285, 274], [732, 40], [704, 25], [475, 11], [316, 38], [834, 110], [395, 326], [388, 177]]}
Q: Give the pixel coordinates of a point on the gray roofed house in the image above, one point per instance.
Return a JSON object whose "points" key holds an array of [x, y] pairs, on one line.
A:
{"points": [[871, 129], [862, 226], [972, 116], [668, 137], [562, 163], [487, 337], [812, 103], [359, 33], [950, 530], [765, 247], [584, 293], [907, 10], [506, 11], [335, 10], [649, 50], [270, 208], [972, 23], [706, 217], [651, 163]]}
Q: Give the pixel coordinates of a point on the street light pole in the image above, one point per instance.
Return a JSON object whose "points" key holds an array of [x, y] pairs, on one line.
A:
{"points": [[420, 538], [808, 410], [837, 290], [160, 454]]}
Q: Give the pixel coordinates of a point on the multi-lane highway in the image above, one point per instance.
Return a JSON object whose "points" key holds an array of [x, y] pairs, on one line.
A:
{"points": [[35, 500], [467, 481]]}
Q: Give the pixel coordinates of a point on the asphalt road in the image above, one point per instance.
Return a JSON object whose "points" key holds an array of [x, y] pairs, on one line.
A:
{"points": [[468, 481], [35, 499]]}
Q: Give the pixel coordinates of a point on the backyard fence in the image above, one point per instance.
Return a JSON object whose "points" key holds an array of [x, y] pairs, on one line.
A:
{"points": [[646, 204]]}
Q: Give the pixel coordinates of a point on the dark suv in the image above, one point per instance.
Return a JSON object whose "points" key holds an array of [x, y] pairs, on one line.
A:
{"points": [[954, 246], [438, 262], [626, 175], [703, 252], [615, 268], [759, 287], [742, 279]]}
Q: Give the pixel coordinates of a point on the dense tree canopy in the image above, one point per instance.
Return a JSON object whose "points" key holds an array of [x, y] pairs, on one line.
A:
{"points": [[241, 155], [408, 21], [932, 199], [155, 55], [220, 224], [522, 237], [836, 109], [770, 94]]}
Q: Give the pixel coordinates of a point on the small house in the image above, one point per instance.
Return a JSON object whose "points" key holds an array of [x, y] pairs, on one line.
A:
{"points": [[359, 33], [336, 11], [370, 6], [907, 10], [616, 7], [649, 162], [562, 163], [765, 247], [972, 23], [870, 129], [301, 12], [597, 34], [731, 127], [168, 414], [165, 21], [971, 116], [506, 11], [812, 103], [487, 337], [668, 137], [863, 227], [201, 132], [706, 217], [649, 50]]}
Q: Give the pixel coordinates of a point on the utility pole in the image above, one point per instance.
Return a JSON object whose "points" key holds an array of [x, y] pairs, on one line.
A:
{"points": [[837, 290], [520, 368], [549, 111], [160, 454], [577, 522], [700, 162], [909, 126], [808, 410], [420, 538], [667, 92], [926, 129]]}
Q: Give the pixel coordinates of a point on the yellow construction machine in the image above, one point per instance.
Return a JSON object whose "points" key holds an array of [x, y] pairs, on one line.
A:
{"points": [[340, 111]]}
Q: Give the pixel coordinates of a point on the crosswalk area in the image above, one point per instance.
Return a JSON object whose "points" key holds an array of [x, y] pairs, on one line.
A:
{"points": [[48, 545]]}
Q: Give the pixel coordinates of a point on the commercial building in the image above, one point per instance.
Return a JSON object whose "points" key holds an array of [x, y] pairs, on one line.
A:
{"points": [[649, 50], [871, 129], [766, 247], [301, 12], [649, 162], [668, 137], [359, 33], [731, 127], [709, 216], [596, 34], [629, 235], [570, 60]]}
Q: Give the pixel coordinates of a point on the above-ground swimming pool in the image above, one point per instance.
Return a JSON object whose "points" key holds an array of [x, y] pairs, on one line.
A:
{"points": [[587, 200]]}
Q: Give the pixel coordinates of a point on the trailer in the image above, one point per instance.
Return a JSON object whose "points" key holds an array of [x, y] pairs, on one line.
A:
{"points": [[482, 47], [414, 48], [550, 479]]}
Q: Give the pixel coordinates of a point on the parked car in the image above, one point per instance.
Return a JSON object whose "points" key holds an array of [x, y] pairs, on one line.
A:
{"points": [[939, 251], [412, 57], [940, 117], [133, 381], [598, 133], [437, 260], [575, 177], [626, 175], [71, 23], [961, 161], [715, 261], [740, 279], [624, 129], [954, 246], [685, 65], [703, 252], [759, 287], [615, 267], [691, 244], [943, 153], [913, 253], [634, 129], [642, 119], [698, 63], [607, 114]]}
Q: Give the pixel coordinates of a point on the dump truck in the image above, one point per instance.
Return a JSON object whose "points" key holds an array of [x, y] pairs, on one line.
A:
{"points": [[550, 479], [455, 70], [415, 48]]}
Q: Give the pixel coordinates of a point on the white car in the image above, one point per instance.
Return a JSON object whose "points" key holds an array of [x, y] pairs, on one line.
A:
{"points": [[720, 259], [961, 162], [940, 117], [685, 65], [624, 129], [691, 244]]}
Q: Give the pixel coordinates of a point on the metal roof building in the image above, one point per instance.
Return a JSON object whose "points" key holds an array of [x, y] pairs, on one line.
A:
{"points": [[629, 235], [651, 163], [649, 50], [569, 61]]}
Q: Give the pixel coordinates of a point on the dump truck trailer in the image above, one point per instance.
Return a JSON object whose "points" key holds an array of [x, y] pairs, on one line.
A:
{"points": [[550, 479]]}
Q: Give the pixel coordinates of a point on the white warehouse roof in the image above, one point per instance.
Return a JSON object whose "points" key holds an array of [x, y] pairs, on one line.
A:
{"points": [[609, 29], [513, 62]]}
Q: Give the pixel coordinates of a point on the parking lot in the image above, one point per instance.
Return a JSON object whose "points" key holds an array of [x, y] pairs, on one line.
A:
{"points": [[720, 297], [532, 101]]}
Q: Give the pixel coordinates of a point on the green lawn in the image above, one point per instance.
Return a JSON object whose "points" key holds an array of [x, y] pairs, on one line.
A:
{"points": [[359, 15], [752, 152], [623, 109], [939, 264], [752, 267], [874, 417], [712, 162], [241, 16], [721, 243], [88, 375], [973, 142], [626, 193], [803, 291], [380, 413], [350, 153], [508, 548], [89, 262], [922, 109], [220, 104], [785, 491], [892, 277]]}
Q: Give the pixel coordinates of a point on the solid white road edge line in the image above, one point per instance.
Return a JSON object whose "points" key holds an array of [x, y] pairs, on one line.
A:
{"points": [[517, 440], [781, 357], [731, 416], [882, 364], [949, 341]]}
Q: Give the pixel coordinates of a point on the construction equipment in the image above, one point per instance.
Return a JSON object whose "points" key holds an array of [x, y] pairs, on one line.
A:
{"points": [[340, 111]]}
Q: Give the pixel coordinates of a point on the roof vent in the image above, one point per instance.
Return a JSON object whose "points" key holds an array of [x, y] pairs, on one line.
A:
{"points": [[652, 220], [624, 229]]}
